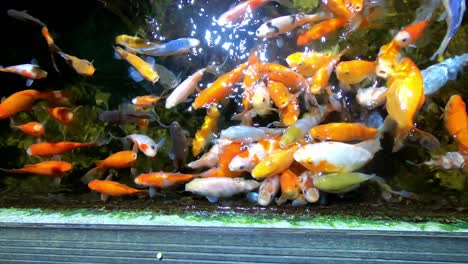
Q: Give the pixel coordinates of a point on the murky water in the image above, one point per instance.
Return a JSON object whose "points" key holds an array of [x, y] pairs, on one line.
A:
{"points": [[87, 29]]}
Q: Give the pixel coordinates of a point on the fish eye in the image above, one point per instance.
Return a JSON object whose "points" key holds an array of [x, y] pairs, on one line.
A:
{"points": [[153, 147], [241, 167], [404, 40]]}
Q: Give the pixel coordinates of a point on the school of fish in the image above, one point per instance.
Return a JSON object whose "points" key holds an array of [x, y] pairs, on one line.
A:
{"points": [[295, 158]]}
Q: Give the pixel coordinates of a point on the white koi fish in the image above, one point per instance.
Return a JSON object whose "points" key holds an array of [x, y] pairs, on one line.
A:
{"points": [[185, 89], [268, 190], [332, 157], [144, 143], [285, 24], [30, 71], [247, 134], [215, 188]]}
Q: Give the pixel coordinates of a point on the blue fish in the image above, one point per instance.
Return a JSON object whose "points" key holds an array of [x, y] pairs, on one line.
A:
{"points": [[436, 76], [173, 47], [455, 10]]}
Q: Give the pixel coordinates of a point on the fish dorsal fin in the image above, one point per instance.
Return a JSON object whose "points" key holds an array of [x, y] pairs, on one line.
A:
{"points": [[212, 199], [104, 197]]}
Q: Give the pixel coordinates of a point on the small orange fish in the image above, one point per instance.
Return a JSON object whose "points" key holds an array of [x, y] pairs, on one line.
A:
{"points": [[33, 129], [81, 66], [410, 34], [290, 113], [111, 188], [289, 186], [343, 132], [163, 179], [319, 30], [118, 160], [146, 100], [285, 75], [307, 63], [355, 71], [342, 8], [405, 96], [280, 94], [47, 149], [64, 115], [456, 121], [45, 168], [322, 75], [23, 101], [219, 89], [252, 76], [206, 131]]}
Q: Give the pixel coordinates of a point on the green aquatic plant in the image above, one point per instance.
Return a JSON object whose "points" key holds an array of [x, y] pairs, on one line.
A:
{"points": [[306, 5]]}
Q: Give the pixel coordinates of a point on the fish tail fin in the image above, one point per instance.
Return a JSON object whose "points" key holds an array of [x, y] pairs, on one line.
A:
{"points": [[425, 139], [442, 47], [56, 96], [387, 190], [92, 174], [400, 136], [156, 118]]}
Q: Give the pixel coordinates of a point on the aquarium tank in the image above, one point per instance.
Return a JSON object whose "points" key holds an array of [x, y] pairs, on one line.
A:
{"points": [[236, 110]]}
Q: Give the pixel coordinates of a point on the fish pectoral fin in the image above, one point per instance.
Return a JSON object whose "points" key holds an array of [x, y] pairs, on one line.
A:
{"points": [[212, 199], [134, 171], [442, 16], [57, 181], [29, 82], [152, 192], [104, 197], [135, 75]]}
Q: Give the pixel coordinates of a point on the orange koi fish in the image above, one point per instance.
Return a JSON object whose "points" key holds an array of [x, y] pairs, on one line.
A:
{"points": [[33, 129], [81, 66], [47, 149], [275, 163], [405, 96], [280, 94], [290, 113], [206, 131], [252, 76], [283, 74], [410, 34], [320, 30], [354, 72], [289, 186], [163, 179], [456, 121], [341, 8], [307, 63], [111, 188], [64, 115], [45, 168], [343, 132], [23, 101], [146, 100], [119, 160], [145, 69], [219, 89], [322, 75], [389, 54]]}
